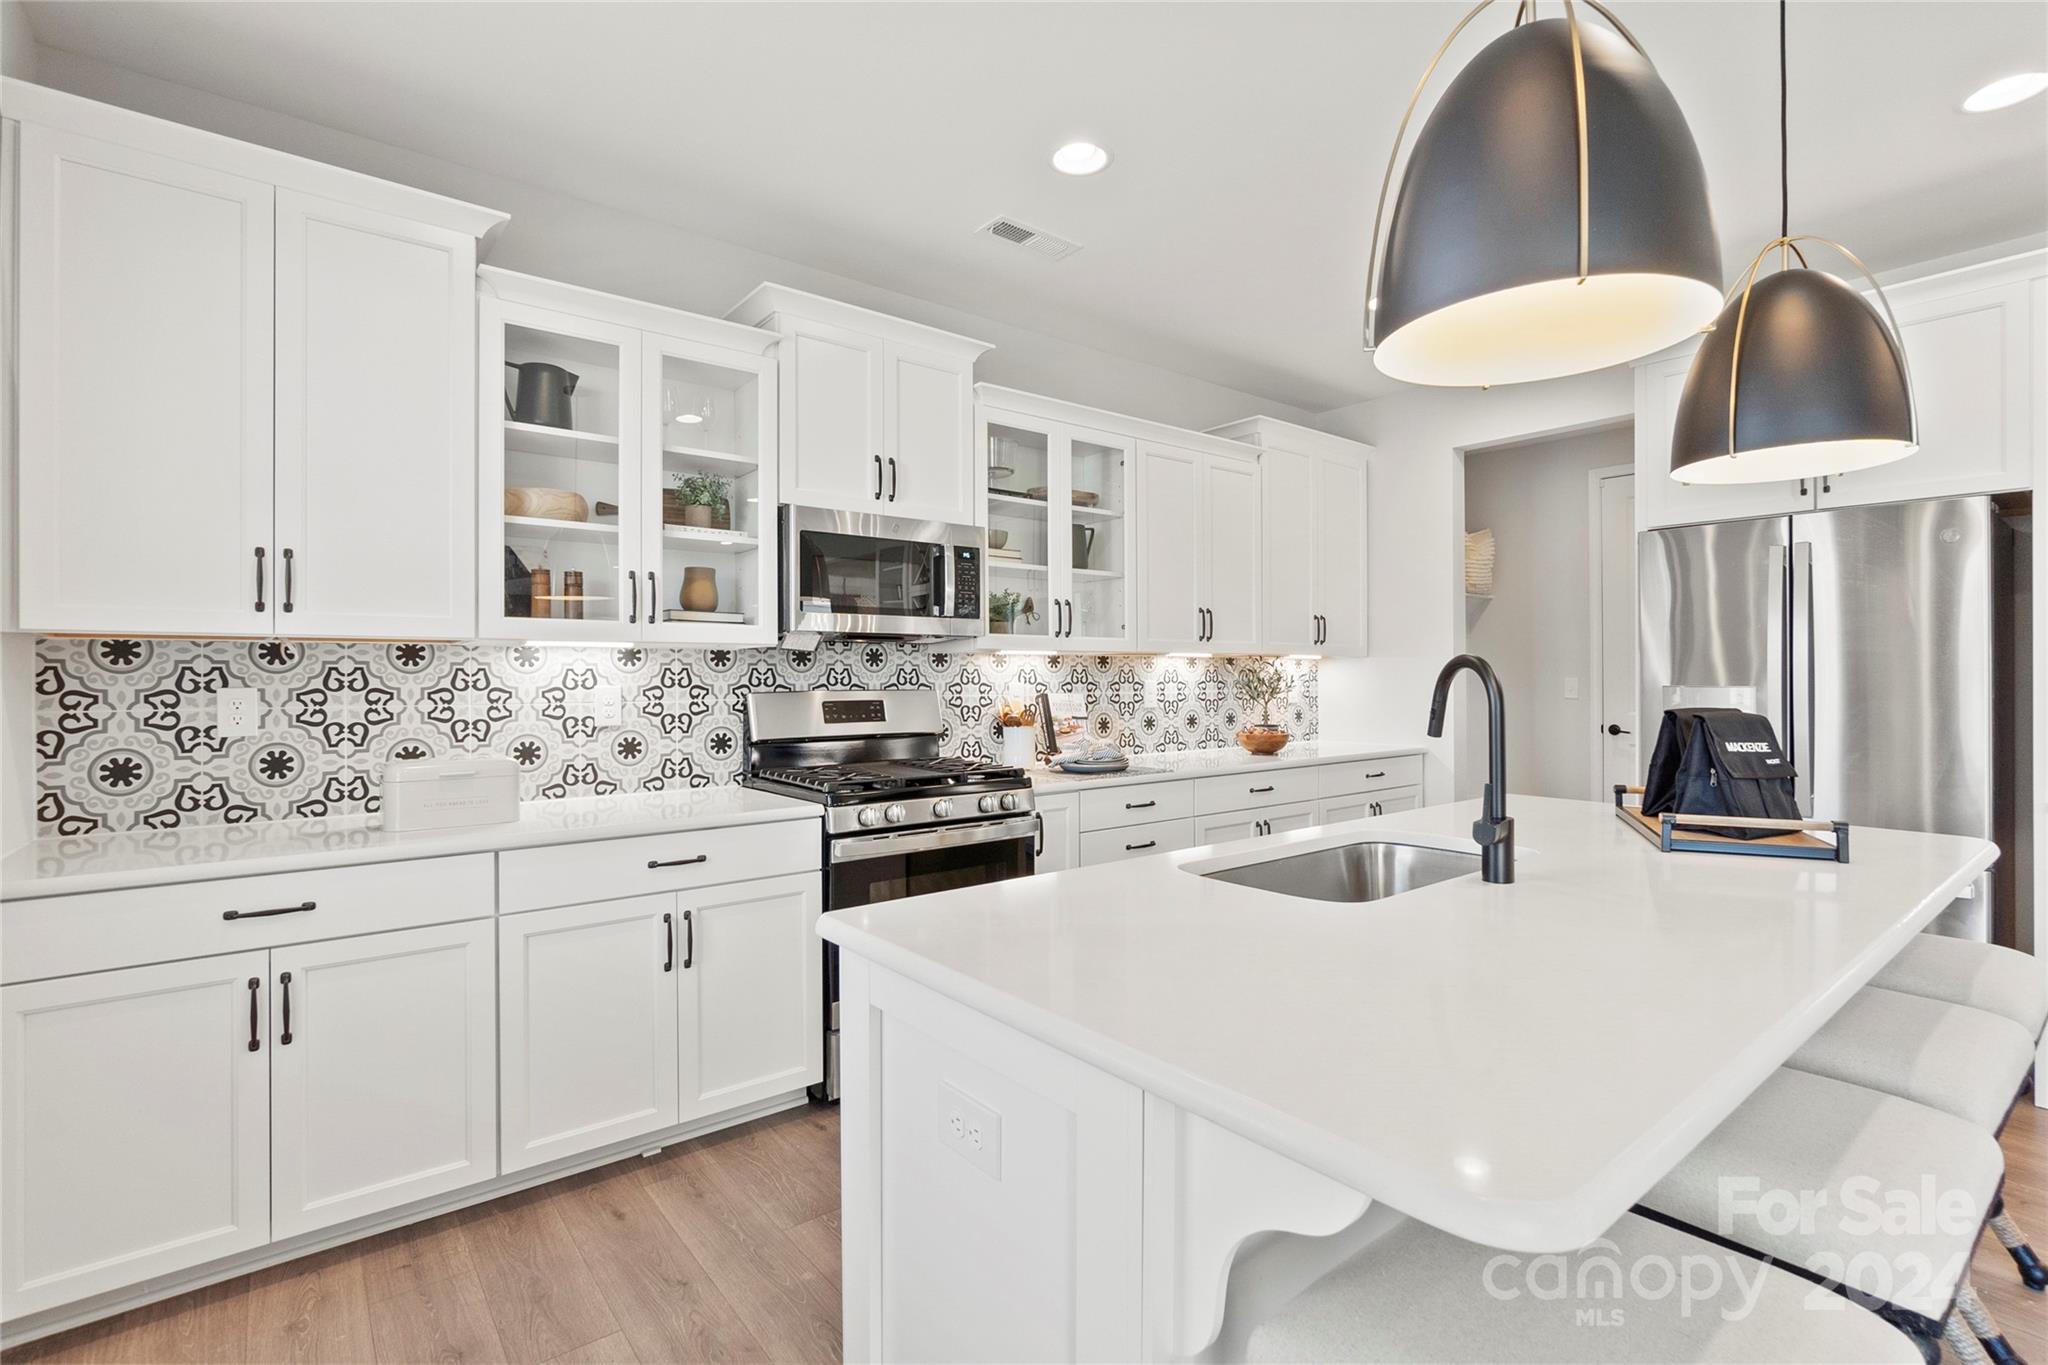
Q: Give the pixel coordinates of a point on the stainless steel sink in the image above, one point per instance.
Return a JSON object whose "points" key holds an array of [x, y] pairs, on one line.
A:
{"points": [[1369, 870]]}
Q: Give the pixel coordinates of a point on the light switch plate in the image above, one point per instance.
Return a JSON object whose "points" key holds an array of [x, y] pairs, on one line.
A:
{"points": [[237, 711], [1571, 689], [971, 1130]]}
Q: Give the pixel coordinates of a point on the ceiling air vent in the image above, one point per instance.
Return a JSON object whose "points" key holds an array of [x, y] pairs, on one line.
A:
{"points": [[1024, 235]]}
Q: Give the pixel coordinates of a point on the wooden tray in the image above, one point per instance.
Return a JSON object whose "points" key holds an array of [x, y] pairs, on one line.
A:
{"points": [[1670, 833]]}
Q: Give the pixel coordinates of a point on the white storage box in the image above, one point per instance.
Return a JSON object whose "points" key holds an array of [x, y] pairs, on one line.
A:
{"points": [[449, 793]]}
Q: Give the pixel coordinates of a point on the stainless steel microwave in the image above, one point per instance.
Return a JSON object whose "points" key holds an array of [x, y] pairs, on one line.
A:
{"points": [[862, 574]]}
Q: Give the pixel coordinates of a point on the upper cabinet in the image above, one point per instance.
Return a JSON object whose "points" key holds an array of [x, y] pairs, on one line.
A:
{"points": [[245, 393], [628, 469], [877, 414], [1198, 536], [1056, 491], [1313, 572], [1974, 345]]}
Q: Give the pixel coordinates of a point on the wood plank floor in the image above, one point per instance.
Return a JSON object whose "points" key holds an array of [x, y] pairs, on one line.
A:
{"points": [[726, 1248]]}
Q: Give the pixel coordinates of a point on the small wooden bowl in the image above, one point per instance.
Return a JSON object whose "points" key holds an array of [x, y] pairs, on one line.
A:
{"points": [[1262, 739]]}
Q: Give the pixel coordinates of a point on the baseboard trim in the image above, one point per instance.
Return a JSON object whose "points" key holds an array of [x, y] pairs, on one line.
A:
{"points": [[50, 1321]]}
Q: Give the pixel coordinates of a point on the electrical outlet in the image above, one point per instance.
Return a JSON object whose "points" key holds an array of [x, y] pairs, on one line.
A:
{"points": [[1571, 689], [607, 706], [971, 1130], [237, 711]]}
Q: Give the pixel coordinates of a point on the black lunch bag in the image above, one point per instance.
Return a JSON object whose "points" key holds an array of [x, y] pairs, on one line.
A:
{"points": [[1720, 761]]}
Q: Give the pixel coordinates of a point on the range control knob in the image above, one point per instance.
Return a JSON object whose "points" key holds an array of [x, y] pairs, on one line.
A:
{"points": [[1010, 801], [941, 808], [986, 805], [895, 814], [871, 817]]}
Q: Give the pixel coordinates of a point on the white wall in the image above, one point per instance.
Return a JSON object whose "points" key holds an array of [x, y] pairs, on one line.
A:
{"points": [[1536, 630], [589, 244], [1418, 537], [17, 43]]}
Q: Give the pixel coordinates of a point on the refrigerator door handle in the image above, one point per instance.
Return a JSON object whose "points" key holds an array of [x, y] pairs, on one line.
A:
{"points": [[1776, 702], [1801, 676]]}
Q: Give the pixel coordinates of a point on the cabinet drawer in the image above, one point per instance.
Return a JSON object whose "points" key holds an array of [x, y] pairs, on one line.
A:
{"points": [[60, 935], [1242, 791], [1368, 775], [606, 869], [1136, 841], [1139, 805]]}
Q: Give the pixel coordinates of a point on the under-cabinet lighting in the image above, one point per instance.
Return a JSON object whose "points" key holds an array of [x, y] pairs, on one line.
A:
{"points": [[1190, 654], [2006, 91], [1302, 658], [1026, 653], [584, 644]]}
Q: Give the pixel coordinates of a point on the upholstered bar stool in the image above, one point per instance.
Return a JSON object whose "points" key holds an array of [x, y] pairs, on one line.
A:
{"points": [[1962, 1060], [1797, 1172], [1418, 1294]]}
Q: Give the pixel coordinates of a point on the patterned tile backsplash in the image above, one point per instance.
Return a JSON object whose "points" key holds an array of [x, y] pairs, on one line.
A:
{"points": [[125, 736]]}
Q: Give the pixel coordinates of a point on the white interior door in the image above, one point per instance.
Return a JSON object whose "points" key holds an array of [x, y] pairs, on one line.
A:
{"points": [[752, 1015], [1287, 496], [145, 392], [587, 1026], [383, 1088], [1230, 540], [376, 424], [1169, 513], [1614, 636], [832, 412], [141, 1099]]}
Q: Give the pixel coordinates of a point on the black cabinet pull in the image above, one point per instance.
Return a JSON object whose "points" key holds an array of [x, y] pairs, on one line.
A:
{"points": [[1038, 850], [1375, 808], [1370, 776], [689, 940], [1139, 805], [677, 862], [633, 616], [878, 478], [284, 1039], [1260, 791], [892, 478], [1133, 848], [668, 932], [653, 599], [298, 909], [287, 578], [1827, 483], [1802, 488], [259, 579], [255, 1039]]}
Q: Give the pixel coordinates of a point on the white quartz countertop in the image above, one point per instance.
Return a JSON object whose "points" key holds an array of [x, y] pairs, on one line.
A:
{"points": [[1515, 1064], [1167, 767], [109, 862]]}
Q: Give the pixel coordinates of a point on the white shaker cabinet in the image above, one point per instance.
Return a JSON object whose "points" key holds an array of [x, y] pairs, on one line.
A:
{"points": [[383, 1082], [751, 1003], [1198, 547], [587, 1026], [1313, 572], [1059, 844], [376, 424], [244, 393], [145, 391], [877, 413], [135, 1125]]}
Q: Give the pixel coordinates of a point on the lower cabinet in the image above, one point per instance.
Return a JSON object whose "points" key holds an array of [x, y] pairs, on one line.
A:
{"points": [[182, 1112], [1333, 809], [1135, 841], [1059, 847], [1255, 823], [629, 1016]]}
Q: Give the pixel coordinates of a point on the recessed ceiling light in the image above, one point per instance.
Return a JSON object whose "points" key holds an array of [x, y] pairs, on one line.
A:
{"points": [[1080, 158], [2007, 90]]}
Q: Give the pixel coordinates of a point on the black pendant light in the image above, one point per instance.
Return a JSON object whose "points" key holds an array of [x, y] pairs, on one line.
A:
{"points": [[1552, 219], [1799, 377]]}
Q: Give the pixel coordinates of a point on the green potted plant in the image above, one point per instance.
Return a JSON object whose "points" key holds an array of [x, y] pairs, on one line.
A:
{"points": [[1002, 611], [700, 500], [1261, 683]]}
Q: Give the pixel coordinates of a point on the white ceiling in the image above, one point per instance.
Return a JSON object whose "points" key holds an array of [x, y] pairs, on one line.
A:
{"points": [[1226, 241]]}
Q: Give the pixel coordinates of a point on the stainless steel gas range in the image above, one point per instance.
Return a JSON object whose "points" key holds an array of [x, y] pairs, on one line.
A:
{"points": [[900, 819]]}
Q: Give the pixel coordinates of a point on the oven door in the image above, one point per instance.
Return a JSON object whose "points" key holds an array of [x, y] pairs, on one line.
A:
{"points": [[856, 573], [866, 869]]}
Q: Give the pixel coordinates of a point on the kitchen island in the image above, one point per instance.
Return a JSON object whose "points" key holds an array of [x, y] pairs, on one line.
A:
{"points": [[1084, 1112]]}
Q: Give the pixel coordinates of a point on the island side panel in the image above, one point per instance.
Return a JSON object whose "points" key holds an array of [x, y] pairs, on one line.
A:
{"points": [[992, 1200]]}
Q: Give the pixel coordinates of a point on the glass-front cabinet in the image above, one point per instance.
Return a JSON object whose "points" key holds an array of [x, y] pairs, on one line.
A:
{"points": [[628, 465], [1056, 496]]}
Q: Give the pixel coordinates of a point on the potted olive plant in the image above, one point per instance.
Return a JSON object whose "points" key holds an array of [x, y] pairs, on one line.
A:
{"points": [[705, 501], [1261, 683]]}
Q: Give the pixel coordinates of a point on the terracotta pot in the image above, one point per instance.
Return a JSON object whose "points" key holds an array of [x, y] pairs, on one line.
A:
{"points": [[1262, 739], [696, 514], [700, 589]]}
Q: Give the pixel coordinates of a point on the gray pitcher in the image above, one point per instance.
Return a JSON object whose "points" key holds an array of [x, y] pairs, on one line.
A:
{"points": [[542, 394]]}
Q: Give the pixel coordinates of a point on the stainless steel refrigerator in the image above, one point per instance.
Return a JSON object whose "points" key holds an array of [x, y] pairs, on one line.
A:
{"points": [[1889, 647]]}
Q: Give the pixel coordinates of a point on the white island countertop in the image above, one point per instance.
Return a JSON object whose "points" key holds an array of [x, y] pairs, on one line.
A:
{"points": [[1187, 763], [132, 858], [1515, 1064]]}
